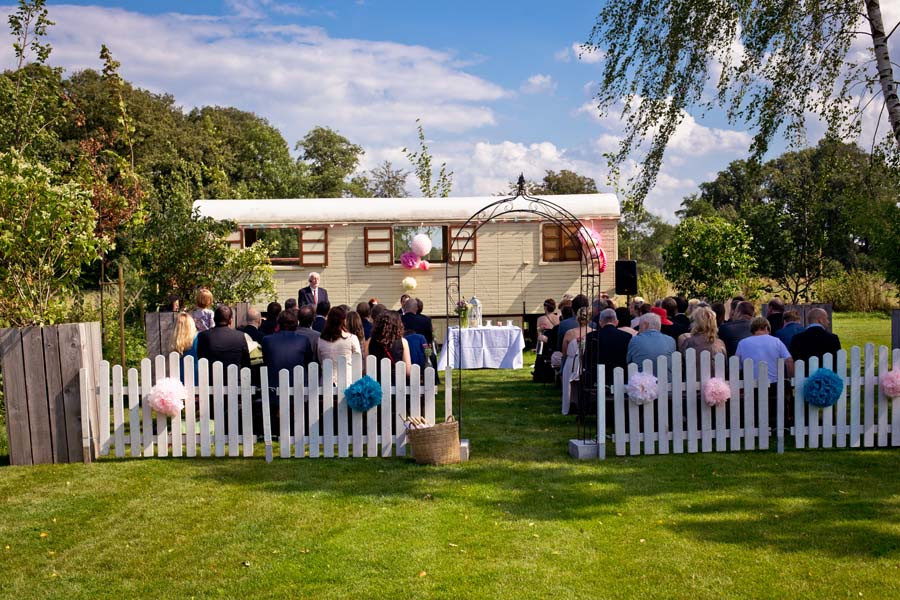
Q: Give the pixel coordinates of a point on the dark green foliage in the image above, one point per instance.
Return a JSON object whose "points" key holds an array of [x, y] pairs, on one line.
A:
{"points": [[331, 159]]}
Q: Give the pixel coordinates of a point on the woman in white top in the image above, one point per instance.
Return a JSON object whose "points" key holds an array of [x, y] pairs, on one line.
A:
{"points": [[336, 342]]}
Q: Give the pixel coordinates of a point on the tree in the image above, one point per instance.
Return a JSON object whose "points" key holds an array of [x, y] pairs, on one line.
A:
{"points": [[642, 236], [708, 257], [773, 64], [553, 184], [430, 186], [185, 251], [387, 182], [46, 236], [331, 158]]}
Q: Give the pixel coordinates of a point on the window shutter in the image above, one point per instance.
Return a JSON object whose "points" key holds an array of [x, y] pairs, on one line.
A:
{"points": [[314, 247], [463, 245], [379, 246]]}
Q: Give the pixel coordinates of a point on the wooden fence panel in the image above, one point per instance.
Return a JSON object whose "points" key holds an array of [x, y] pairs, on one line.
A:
{"points": [[691, 399], [869, 397], [36, 390], [118, 398], [12, 364], [854, 397], [134, 412], [70, 363], [162, 425], [299, 412], [677, 405], [190, 409], [883, 401], [314, 420], [55, 399], [146, 384]]}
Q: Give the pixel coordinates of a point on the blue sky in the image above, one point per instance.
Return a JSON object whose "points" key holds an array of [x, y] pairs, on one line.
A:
{"points": [[498, 85]]}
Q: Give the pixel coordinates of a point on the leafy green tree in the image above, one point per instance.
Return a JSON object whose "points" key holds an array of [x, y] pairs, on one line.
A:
{"points": [[32, 104], [331, 159], [387, 182], [708, 257], [431, 186], [642, 236], [565, 182], [185, 251], [792, 59], [46, 236]]}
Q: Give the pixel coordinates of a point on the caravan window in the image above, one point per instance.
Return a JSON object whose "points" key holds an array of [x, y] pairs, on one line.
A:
{"points": [[304, 246], [556, 245], [403, 235]]}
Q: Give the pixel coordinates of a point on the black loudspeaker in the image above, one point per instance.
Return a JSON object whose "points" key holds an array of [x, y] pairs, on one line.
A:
{"points": [[626, 278]]}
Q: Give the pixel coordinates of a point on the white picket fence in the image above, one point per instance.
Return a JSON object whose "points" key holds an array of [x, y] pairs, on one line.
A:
{"points": [[680, 421], [323, 424]]}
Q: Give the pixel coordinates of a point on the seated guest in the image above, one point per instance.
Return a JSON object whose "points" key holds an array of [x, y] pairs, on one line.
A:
{"points": [[403, 300], [222, 343], [377, 309], [719, 309], [203, 314], [373, 302], [775, 314], [681, 317], [336, 343], [624, 317], [417, 345], [354, 325], [607, 346], [271, 322], [322, 309], [790, 328], [414, 321], [290, 303], [703, 336], [548, 320], [252, 328], [670, 305], [760, 347], [576, 335], [815, 340], [634, 309], [650, 343], [580, 301], [733, 331], [306, 316], [387, 340], [286, 348], [693, 303], [645, 308], [365, 313], [171, 304], [732, 307], [184, 340]]}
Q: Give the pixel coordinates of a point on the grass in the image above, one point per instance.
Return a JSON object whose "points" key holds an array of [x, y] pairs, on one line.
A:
{"points": [[856, 329], [519, 520]]}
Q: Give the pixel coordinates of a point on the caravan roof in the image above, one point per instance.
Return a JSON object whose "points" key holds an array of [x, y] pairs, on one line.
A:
{"points": [[380, 210]]}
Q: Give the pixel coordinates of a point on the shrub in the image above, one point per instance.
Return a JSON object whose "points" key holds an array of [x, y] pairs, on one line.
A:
{"points": [[857, 291], [653, 285]]}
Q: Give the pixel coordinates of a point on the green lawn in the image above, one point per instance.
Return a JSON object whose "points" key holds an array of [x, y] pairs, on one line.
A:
{"points": [[856, 329], [519, 520]]}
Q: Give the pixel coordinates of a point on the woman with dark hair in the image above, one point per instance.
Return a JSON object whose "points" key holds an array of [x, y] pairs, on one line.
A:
{"points": [[336, 342], [387, 340], [548, 320], [354, 326], [271, 320]]}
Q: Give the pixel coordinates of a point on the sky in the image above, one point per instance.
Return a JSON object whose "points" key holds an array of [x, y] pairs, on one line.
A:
{"points": [[500, 87]]}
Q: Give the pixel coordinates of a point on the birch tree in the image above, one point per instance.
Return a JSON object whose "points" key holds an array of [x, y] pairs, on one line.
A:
{"points": [[770, 65]]}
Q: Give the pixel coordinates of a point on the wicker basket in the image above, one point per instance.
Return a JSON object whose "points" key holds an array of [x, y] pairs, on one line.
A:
{"points": [[436, 445]]}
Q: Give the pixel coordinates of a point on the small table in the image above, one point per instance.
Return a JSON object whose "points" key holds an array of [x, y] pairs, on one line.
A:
{"points": [[482, 348]]}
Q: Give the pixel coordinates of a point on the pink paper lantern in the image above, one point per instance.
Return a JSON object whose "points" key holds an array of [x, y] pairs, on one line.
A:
{"points": [[420, 244], [716, 391], [167, 397], [424, 265]]}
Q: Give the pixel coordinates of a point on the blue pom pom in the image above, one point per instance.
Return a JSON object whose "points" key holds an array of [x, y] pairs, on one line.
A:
{"points": [[823, 388], [363, 395]]}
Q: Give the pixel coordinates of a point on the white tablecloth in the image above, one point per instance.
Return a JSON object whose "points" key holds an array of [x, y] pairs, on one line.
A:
{"points": [[482, 348]]}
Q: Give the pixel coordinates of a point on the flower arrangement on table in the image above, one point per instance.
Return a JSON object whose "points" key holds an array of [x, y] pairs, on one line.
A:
{"points": [[462, 310]]}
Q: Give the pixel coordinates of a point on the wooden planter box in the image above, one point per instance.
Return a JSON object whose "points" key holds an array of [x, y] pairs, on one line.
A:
{"points": [[40, 367]]}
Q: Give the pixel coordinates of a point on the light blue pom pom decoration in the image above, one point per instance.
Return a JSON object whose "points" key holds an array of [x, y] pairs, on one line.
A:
{"points": [[363, 395], [823, 388]]}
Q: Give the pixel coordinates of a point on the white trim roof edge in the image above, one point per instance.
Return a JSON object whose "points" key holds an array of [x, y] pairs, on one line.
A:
{"points": [[381, 210]]}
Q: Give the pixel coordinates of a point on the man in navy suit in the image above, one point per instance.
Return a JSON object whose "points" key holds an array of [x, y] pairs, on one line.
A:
{"points": [[312, 294], [607, 345], [413, 320], [815, 340], [287, 348]]}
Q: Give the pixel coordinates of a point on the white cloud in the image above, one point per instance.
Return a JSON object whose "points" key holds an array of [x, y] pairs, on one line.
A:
{"points": [[295, 76], [562, 55], [587, 54], [538, 83]]}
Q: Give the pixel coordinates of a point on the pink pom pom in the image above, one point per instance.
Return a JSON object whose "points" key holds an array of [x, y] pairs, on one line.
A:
{"points": [[890, 383], [598, 253], [589, 236], [642, 388], [420, 244], [410, 260], [716, 392], [424, 265], [167, 397]]}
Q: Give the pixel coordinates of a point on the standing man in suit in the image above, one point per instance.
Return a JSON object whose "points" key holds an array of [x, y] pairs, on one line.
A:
{"points": [[815, 340], [312, 294]]}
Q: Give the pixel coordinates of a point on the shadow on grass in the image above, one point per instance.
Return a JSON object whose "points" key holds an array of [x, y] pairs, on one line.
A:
{"points": [[792, 504]]}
